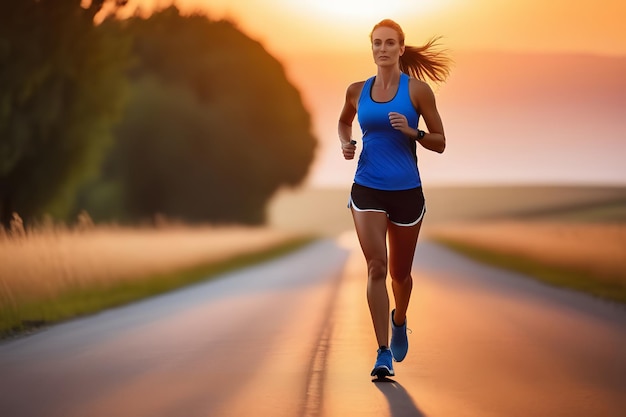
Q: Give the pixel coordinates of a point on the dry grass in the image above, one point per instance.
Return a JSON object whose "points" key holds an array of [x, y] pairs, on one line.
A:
{"points": [[51, 260], [593, 248]]}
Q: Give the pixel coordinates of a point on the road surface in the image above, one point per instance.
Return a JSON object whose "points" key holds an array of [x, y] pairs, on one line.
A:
{"points": [[293, 338]]}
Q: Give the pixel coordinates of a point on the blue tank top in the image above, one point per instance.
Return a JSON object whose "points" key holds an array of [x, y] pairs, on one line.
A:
{"points": [[388, 160]]}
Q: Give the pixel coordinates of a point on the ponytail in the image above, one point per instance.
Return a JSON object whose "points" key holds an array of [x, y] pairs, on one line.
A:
{"points": [[426, 61]]}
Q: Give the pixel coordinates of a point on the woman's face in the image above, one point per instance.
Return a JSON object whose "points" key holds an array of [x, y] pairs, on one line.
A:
{"points": [[386, 47]]}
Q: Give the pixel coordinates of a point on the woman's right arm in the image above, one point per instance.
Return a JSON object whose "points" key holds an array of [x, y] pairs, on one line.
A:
{"points": [[346, 117]]}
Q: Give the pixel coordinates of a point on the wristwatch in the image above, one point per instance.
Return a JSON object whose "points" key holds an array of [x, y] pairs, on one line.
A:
{"points": [[420, 134]]}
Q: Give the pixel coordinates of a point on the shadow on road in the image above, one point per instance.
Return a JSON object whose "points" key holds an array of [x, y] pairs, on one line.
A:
{"points": [[401, 404]]}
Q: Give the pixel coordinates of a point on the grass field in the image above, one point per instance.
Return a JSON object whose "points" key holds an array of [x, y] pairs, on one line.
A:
{"points": [[324, 210], [54, 273], [589, 257], [573, 237]]}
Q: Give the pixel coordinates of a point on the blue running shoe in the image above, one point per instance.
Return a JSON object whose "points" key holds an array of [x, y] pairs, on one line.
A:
{"points": [[384, 364], [399, 342]]}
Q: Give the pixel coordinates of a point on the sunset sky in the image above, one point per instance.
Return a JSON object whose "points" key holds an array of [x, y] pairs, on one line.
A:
{"points": [[324, 46]]}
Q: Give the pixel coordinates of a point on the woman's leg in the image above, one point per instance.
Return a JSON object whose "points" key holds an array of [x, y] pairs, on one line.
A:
{"points": [[371, 228], [402, 243]]}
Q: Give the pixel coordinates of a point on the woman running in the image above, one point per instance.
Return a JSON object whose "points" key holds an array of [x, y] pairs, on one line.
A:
{"points": [[386, 199]]}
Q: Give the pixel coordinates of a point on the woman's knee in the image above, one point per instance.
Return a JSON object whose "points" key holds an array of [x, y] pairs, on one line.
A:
{"points": [[400, 275], [377, 269]]}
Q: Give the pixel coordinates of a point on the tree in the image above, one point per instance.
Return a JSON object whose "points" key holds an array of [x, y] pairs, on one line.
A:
{"points": [[62, 84], [213, 127]]}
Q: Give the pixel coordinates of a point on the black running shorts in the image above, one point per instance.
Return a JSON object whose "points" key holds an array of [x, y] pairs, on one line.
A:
{"points": [[403, 208]]}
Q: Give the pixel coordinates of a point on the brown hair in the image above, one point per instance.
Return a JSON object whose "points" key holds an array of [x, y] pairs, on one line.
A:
{"points": [[426, 61]]}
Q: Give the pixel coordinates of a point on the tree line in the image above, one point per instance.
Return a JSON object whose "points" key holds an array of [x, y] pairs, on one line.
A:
{"points": [[180, 116]]}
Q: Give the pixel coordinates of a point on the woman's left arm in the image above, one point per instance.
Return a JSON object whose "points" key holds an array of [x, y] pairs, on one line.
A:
{"points": [[424, 101]]}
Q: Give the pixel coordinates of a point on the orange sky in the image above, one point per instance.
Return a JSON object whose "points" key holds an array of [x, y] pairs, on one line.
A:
{"points": [[324, 46], [323, 25]]}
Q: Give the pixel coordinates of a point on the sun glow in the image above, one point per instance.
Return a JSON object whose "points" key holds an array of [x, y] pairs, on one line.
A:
{"points": [[362, 10]]}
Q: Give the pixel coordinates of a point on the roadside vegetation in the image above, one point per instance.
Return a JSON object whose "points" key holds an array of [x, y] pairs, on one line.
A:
{"points": [[53, 273], [584, 250]]}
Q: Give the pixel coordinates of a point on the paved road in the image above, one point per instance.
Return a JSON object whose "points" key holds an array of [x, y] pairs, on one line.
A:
{"points": [[237, 346], [293, 338], [485, 343]]}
